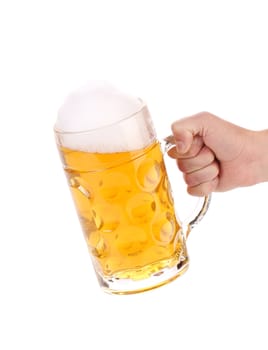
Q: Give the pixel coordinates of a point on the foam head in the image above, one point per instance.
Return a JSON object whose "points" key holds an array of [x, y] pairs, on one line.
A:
{"points": [[97, 118]]}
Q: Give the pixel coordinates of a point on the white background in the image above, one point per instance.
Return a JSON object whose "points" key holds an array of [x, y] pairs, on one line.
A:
{"points": [[181, 57]]}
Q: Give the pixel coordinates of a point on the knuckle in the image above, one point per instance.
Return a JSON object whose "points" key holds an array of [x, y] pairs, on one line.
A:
{"points": [[182, 165], [192, 179], [204, 189]]}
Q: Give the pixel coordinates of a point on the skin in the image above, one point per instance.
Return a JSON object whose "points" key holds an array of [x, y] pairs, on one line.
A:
{"points": [[216, 155]]}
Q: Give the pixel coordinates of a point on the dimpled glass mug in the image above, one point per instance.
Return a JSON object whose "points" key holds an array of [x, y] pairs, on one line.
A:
{"points": [[115, 169]]}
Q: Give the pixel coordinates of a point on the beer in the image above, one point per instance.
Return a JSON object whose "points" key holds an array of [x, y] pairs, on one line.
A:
{"points": [[126, 210], [114, 165]]}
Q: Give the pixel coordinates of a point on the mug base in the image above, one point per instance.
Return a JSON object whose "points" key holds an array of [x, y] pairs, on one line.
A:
{"points": [[124, 286]]}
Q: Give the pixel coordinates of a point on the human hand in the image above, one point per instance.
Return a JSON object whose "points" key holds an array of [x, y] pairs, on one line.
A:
{"points": [[216, 155]]}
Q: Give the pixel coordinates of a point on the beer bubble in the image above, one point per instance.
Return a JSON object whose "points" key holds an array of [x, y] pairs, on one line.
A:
{"points": [[86, 111]]}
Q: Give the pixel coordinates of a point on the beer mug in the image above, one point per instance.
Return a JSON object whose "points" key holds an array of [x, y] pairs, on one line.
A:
{"points": [[120, 187]]}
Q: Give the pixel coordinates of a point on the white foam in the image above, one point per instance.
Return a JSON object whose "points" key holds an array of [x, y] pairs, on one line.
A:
{"points": [[99, 106]]}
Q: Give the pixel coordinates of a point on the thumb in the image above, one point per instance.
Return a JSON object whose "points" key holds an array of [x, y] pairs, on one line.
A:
{"points": [[212, 130], [186, 130], [183, 137]]}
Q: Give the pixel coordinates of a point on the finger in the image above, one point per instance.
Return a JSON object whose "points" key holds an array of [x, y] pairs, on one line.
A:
{"points": [[204, 158], [204, 189], [198, 124], [192, 150], [213, 131], [203, 175], [183, 138], [185, 129]]}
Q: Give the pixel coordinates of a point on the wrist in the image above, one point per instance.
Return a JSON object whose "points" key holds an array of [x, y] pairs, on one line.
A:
{"points": [[261, 156]]}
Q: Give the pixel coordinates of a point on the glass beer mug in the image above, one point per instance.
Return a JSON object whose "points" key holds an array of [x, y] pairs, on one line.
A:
{"points": [[120, 187]]}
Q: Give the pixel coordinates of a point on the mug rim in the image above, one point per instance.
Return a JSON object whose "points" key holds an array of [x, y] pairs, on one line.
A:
{"points": [[81, 132]]}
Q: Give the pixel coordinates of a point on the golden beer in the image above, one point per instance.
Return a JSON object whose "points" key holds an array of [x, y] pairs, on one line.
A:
{"points": [[126, 211], [115, 169]]}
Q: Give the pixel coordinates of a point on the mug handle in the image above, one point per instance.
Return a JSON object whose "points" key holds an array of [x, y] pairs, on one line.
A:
{"points": [[168, 146]]}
